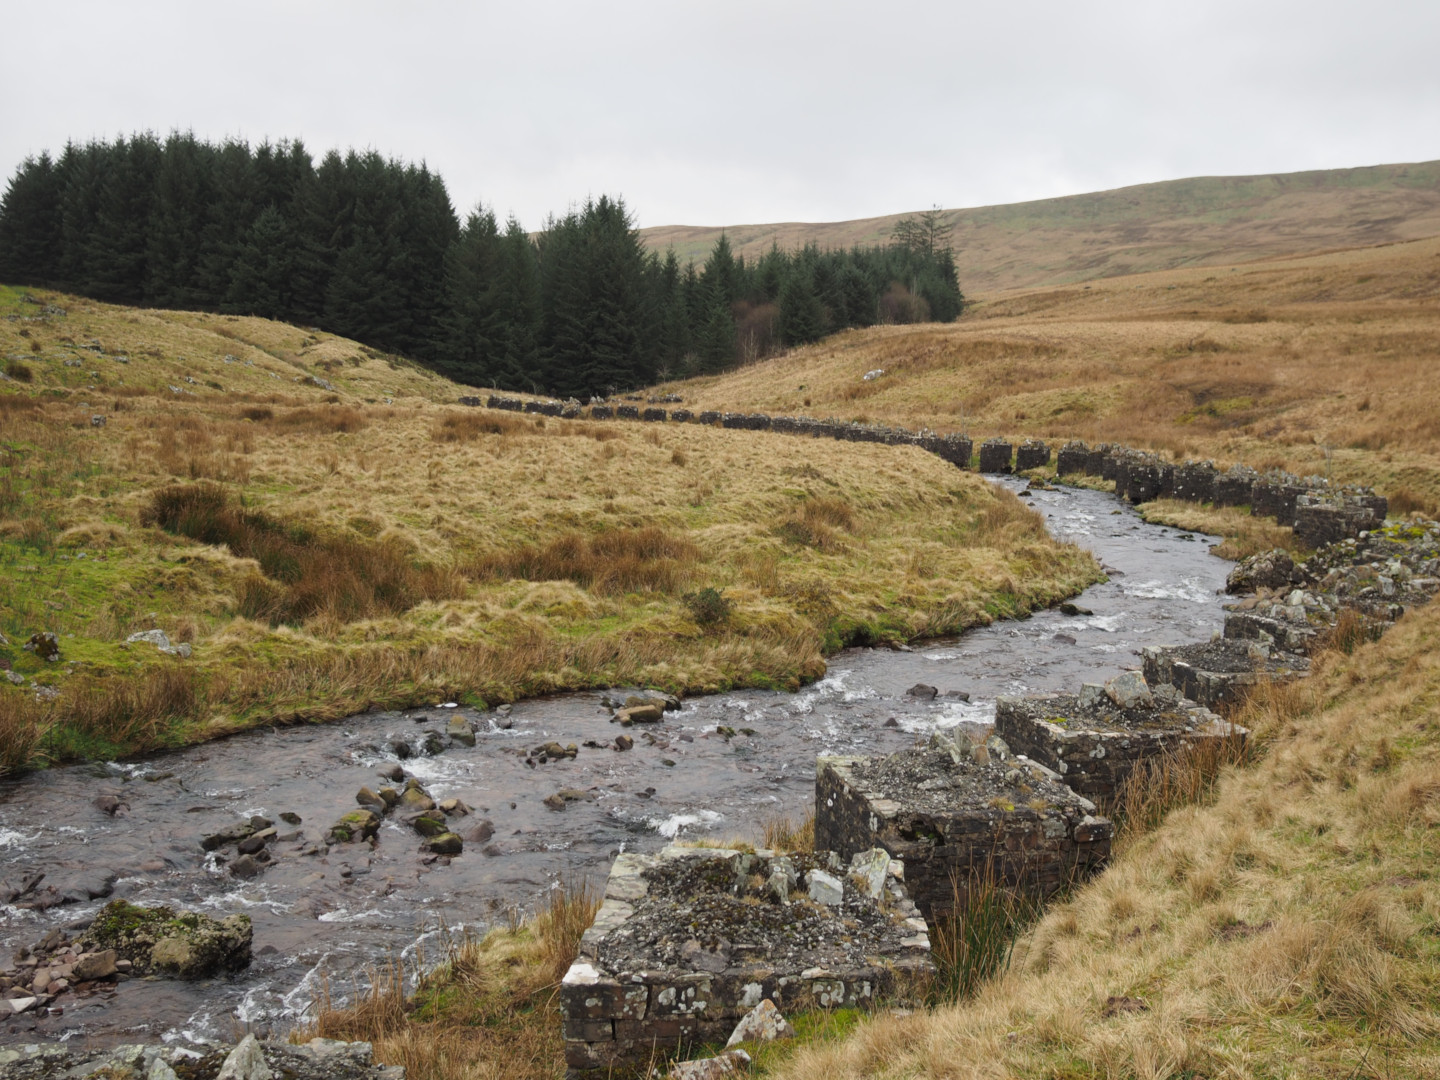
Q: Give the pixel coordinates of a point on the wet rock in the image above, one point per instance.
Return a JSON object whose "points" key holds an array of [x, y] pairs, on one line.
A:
{"points": [[1074, 609], [430, 823], [247, 866], [481, 832], [433, 744], [922, 692], [565, 797], [291, 818], [371, 801], [415, 797], [95, 965], [454, 808], [764, 1023], [1130, 691], [447, 843], [389, 796], [112, 805], [649, 713], [401, 749], [259, 822], [459, 732], [553, 751], [256, 842], [1063, 639], [356, 825], [45, 645], [624, 742], [159, 940], [394, 773]]}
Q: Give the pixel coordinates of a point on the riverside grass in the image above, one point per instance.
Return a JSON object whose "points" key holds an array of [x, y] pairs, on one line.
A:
{"points": [[329, 535], [1321, 365]]}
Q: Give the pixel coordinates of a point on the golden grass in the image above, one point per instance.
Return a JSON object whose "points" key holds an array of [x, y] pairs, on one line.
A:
{"points": [[1321, 364], [355, 553], [487, 1012], [1285, 926], [1243, 535]]}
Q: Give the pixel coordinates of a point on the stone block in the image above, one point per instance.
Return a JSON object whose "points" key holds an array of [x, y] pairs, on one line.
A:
{"points": [[1073, 457], [1322, 519], [653, 415], [995, 456], [1031, 454], [602, 412], [1194, 482], [1234, 486], [951, 820], [1220, 673], [687, 942], [1093, 744], [627, 412]]}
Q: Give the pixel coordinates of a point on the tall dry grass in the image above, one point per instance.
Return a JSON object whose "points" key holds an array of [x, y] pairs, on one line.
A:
{"points": [[1282, 925], [609, 563], [487, 1012]]}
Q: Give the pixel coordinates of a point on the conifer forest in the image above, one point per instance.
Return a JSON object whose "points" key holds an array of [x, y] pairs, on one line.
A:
{"points": [[371, 248]]}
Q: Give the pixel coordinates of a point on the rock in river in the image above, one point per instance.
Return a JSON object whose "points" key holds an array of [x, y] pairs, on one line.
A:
{"points": [[161, 941]]}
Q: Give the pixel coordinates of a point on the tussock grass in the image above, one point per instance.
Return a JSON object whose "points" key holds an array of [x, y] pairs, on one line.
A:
{"points": [[303, 574], [613, 562], [322, 556], [486, 1012]]}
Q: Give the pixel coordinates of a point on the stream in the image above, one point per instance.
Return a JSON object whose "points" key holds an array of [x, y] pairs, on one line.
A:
{"points": [[324, 920]]}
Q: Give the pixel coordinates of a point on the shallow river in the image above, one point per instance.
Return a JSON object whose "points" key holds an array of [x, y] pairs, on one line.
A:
{"points": [[319, 918]]}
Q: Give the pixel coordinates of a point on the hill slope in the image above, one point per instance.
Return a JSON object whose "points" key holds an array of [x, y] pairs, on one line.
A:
{"points": [[1267, 363], [1199, 221]]}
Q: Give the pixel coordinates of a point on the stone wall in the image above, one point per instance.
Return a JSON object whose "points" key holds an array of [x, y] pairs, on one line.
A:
{"points": [[960, 819], [1320, 513]]}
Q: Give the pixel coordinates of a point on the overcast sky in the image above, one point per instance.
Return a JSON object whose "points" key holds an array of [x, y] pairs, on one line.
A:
{"points": [[739, 112]]}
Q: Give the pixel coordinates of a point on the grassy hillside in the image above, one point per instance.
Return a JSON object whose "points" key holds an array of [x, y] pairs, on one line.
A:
{"points": [[1290, 927], [1204, 221], [327, 533], [1319, 364]]}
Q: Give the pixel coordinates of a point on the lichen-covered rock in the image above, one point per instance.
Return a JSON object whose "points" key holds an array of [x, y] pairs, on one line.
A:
{"points": [[186, 945], [1266, 570], [446, 843], [357, 825], [764, 1023]]}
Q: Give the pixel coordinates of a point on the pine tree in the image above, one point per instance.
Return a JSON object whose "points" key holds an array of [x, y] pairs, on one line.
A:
{"points": [[31, 224], [264, 265], [802, 318]]}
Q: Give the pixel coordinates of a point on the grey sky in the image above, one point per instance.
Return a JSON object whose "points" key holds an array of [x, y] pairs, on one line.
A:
{"points": [[716, 113]]}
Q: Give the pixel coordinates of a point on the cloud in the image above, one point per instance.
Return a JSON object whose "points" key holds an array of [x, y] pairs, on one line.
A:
{"points": [[712, 113]]}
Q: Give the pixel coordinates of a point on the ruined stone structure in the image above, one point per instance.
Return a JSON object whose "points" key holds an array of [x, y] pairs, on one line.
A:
{"points": [[1031, 454], [1219, 673], [954, 815], [1094, 741], [689, 940], [995, 456], [1072, 458]]}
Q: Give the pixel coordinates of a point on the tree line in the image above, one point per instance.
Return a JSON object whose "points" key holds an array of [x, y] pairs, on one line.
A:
{"points": [[371, 248]]}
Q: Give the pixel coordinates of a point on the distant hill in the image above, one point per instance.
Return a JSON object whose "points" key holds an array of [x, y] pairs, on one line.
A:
{"points": [[1196, 222]]}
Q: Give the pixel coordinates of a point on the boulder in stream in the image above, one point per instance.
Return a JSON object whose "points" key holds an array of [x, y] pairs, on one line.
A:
{"points": [[447, 843], [161, 941], [356, 825]]}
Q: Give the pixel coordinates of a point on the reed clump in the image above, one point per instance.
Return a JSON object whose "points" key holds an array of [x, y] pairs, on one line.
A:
{"points": [[610, 563]]}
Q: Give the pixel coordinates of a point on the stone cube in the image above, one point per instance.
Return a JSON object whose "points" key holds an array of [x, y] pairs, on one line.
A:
{"points": [[952, 820]]}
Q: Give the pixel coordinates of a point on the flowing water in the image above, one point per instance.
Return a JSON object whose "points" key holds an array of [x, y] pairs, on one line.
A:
{"points": [[319, 918]]}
